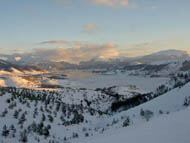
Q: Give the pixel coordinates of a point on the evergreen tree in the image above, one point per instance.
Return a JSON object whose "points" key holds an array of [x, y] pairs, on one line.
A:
{"points": [[23, 137], [5, 131], [22, 119]]}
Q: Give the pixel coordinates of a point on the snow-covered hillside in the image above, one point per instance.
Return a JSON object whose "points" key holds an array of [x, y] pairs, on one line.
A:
{"points": [[73, 115], [168, 121], [135, 102], [172, 128], [40, 116], [164, 56]]}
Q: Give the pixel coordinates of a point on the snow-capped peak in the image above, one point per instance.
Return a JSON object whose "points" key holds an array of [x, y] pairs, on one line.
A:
{"points": [[172, 52]]}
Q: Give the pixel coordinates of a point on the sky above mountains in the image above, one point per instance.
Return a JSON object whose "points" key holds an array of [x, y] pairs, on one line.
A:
{"points": [[102, 28]]}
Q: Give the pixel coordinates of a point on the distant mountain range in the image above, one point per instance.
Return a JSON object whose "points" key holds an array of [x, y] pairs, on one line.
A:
{"points": [[162, 56], [9, 67], [167, 55]]}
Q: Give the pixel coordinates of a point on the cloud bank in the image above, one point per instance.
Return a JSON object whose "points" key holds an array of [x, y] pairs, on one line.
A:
{"points": [[74, 52], [78, 53], [62, 42], [91, 28], [111, 3], [115, 3]]}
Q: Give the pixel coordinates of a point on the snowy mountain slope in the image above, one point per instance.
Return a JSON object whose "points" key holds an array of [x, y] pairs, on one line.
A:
{"points": [[73, 114], [49, 115], [185, 66], [172, 52], [172, 101], [167, 55], [172, 128], [164, 105], [162, 68], [22, 80], [10, 67], [19, 75]]}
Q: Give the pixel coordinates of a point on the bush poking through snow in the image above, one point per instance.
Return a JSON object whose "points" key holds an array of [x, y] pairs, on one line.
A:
{"points": [[23, 137], [86, 134], [126, 122], [5, 131], [161, 112], [187, 101], [146, 114]]}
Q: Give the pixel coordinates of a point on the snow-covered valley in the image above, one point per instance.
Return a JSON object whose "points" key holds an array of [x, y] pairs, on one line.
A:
{"points": [[58, 107]]}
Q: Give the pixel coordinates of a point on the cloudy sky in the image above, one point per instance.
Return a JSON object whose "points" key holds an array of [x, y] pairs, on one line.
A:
{"points": [[96, 28]]}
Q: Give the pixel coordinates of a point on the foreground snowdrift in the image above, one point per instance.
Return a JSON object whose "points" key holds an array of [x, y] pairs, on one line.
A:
{"points": [[173, 128]]}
